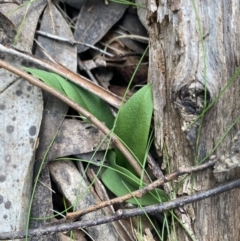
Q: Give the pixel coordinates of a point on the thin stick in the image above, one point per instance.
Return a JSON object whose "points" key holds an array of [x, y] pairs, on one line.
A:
{"points": [[89, 73], [11, 1], [77, 79], [80, 110], [139, 193], [72, 42], [121, 214]]}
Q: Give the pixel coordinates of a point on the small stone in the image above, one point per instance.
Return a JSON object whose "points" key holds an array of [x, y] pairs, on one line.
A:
{"points": [[212, 157], [235, 138], [228, 160], [222, 158]]}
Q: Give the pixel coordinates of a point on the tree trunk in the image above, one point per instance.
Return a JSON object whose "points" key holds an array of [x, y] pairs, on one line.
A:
{"points": [[194, 51]]}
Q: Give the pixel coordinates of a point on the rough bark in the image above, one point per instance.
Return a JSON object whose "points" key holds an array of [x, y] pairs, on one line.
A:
{"points": [[193, 45]]}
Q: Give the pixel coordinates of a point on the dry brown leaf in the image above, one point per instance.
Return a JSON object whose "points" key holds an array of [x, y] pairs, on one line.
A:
{"points": [[76, 137], [76, 191], [94, 21], [20, 118], [54, 111]]}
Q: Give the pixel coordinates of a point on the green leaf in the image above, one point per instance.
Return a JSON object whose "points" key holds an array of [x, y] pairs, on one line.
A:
{"points": [[132, 127], [79, 95], [88, 101], [127, 182], [48, 78], [133, 124]]}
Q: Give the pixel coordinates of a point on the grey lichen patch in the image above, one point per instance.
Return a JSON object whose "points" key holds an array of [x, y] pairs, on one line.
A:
{"points": [[7, 158], [59, 139], [2, 106], [5, 216], [32, 130], [2, 178], [1, 199], [29, 88], [8, 204], [10, 129], [228, 166], [65, 176], [32, 142], [19, 92], [8, 30]]}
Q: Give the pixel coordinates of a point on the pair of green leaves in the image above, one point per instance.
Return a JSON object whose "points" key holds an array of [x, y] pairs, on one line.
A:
{"points": [[131, 126]]}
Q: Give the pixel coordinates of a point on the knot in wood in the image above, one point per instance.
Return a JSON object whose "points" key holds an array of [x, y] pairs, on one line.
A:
{"points": [[190, 104]]}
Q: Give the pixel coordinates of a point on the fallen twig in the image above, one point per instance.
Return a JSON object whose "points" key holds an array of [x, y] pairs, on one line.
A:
{"points": [[121, 214], [28, 59], [141, 192], [72, 42]]}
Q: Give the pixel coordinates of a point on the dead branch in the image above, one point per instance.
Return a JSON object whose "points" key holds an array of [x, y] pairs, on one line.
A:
{"points": [[121, 214], [65, 72], [141, 192], [55, 37]]}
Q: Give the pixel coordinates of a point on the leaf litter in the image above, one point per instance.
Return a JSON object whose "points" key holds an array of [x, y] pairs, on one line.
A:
{"points": [[115, 28]]}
